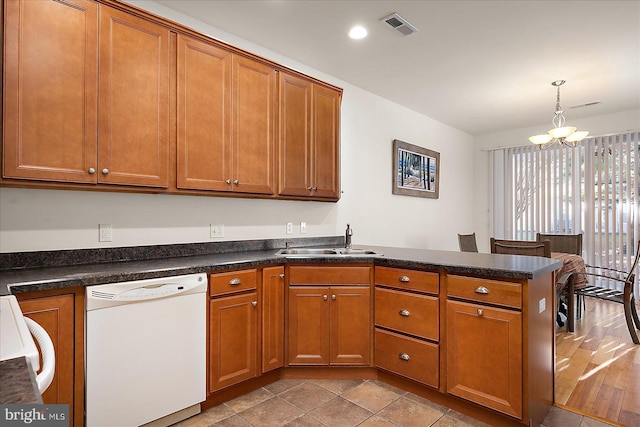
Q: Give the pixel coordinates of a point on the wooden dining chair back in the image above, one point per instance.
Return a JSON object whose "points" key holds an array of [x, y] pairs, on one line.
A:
{"points": [[521, 247], [565, 243], [467, 242], [625, 296]]}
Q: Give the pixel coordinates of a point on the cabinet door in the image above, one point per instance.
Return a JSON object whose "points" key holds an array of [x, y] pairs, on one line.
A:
{"points": [[56, 315], [326, 142], [50, 90], [484, 356], [350, 320], [272, 318], [253, 129], [133, 128], [308, 326], [204, 115], [233, 340], [295, 136]]}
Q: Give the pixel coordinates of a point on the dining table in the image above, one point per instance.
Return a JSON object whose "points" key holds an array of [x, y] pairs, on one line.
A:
{"points": [[571, 263]]}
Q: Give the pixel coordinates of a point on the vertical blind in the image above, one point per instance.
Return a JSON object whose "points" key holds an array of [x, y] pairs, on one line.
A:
{"points": [[591, 189]]}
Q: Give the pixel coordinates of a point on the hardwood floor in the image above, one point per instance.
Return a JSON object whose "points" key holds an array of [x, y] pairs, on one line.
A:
{"points": [[598, 366]]}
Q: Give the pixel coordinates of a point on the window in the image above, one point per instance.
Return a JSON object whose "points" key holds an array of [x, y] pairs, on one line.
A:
{"points": [[593, 189]]}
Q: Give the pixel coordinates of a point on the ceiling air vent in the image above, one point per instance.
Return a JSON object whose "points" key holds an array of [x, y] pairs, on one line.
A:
{"points": [[399, 24]]}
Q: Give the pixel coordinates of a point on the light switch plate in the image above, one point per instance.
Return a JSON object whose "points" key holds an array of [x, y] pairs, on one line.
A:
{"points": [[542, 305], [303, 228]]}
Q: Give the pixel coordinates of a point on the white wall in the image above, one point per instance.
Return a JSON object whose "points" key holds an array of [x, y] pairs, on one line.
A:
{"points": [[33, 219], [597, 126]]}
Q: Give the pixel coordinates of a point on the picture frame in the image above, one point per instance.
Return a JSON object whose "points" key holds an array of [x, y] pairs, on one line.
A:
{"points": [[416, 170]]}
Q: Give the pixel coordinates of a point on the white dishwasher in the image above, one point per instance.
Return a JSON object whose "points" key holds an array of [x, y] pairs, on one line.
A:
{"points": [[145, 351]]}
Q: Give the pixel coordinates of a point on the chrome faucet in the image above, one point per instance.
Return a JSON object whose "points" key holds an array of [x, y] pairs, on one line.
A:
{"points": [[347, 237]]}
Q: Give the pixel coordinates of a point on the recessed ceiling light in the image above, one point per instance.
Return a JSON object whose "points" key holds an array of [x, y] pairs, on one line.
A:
{"points": [[358, 32]]}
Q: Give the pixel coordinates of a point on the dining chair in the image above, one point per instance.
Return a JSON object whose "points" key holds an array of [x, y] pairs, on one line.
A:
{"points": [[625, 296], [565, 243], [467, 242], [521, 247], [568, 244]]}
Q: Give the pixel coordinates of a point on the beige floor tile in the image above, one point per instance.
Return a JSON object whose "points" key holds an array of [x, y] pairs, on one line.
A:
{"points": [[468, 421], [307, 396], [235, 421], [209, 416], [305, 421], [337, 386], [560, 418], [449, 421], [370, 396], [283, 385], [389, 387], [410, 414], [250, 399], [426, 402], [377, 421], [341, 413], [271, 413]]}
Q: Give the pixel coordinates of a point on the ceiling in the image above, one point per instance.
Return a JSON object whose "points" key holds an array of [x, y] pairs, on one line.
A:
{"points": [[479, 66]]}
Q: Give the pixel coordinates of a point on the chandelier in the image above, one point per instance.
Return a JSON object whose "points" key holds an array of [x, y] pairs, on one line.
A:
{"points": [[560, 133]]}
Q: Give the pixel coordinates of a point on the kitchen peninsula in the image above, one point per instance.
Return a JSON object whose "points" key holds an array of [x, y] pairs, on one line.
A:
{"points": [[474, 304]]}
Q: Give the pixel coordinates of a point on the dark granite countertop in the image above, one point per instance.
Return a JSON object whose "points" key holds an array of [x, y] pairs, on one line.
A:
{"points": [[185, 259], [18, 383]]}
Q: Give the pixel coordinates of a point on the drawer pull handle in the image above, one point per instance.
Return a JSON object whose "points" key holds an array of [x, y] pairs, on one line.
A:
{"points": [[405, 279], [404, 356], [480, 312], [404, 313], [254, 303], [234, 282], [482, 290]]}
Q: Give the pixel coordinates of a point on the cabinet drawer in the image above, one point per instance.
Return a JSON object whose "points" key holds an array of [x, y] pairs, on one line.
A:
{"points": [[482, 290], [410, 313], [233, 281], [423, 281], [307, 275], [408, 357]]}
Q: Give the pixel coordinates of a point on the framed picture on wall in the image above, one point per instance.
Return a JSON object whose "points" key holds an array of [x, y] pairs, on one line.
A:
{"points": [[416, 170]]}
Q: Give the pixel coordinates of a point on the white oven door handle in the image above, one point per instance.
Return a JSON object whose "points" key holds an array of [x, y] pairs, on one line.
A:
{"points": [[48, 354]]}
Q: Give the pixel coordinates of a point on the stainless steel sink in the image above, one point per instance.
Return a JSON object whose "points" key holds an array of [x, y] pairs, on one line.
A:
{"points": [[307, 251], [337, 252]]}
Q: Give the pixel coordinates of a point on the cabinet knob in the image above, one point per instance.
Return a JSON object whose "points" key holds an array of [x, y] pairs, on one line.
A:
{"points": [[235, 281], [236, 182], [480, 312], [282, 275], [404, 356], [333, 297], [405, 279], [310, 188], [228, 181], [404, 313], [324, 297], [105, 171], [92, 171], [315, 188], [254, 303], [482, 290]]}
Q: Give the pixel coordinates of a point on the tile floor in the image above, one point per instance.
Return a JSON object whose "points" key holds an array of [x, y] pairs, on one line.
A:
{"points": [[345, 403]]}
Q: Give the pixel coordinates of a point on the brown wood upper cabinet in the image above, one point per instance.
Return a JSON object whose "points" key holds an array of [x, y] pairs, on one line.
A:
{"points": [[65, 84], [309, 139], [226, 120]]}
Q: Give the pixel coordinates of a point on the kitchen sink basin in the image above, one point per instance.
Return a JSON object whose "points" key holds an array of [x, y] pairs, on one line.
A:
{"points": [[337, 252], [307, 251]]}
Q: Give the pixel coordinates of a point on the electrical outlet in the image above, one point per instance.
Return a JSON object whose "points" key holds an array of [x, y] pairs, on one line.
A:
{"points": [[303, 228], [216, 231], [289, 228], [105, 233]]}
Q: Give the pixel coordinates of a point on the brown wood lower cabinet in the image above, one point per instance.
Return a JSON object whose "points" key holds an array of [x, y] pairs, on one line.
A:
{"points": [[57, 315], [329, 325], [272, 318]]}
